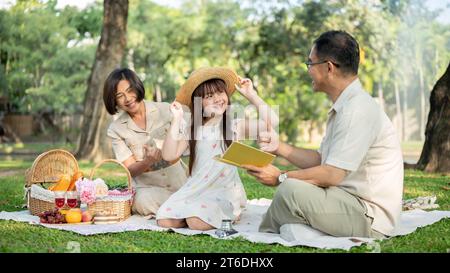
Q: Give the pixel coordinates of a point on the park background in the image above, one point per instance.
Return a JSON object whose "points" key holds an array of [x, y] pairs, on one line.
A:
{"points": [[53, 63]]}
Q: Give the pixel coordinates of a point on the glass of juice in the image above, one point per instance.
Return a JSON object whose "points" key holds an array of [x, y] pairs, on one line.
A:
{"points": [[60, 199], [72, 198]]}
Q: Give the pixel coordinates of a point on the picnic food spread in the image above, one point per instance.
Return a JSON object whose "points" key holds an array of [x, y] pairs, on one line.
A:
{"points": [[62, 216], [51, 217], [84, 190], [61, 202]]}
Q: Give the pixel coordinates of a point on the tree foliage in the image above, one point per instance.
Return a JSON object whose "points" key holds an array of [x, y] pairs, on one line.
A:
{"points": [[46, 53]]}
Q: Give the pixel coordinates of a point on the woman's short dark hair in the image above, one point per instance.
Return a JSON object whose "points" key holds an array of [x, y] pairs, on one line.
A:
{"points": [[110, 87], [339, 47]]}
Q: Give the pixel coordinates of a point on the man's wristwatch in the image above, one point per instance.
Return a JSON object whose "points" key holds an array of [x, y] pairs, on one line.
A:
{"points": [[282, 177]]}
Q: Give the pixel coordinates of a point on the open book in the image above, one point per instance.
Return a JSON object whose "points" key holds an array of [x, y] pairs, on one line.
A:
{"points": [[239, 154]]}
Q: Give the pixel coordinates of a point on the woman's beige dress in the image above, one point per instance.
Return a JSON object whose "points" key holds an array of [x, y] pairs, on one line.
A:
{"points": [[153, 187]]}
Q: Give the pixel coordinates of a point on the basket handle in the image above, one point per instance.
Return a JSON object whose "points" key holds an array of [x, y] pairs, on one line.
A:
{"points": [[113, 161], [58, 153]]}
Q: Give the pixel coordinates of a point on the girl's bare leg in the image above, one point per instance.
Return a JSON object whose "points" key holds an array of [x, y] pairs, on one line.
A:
{"points": [[198, 224], [172, 223]]}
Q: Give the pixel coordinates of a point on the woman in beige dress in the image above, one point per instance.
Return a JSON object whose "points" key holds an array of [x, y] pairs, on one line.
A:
{"points": [[137, 135]]}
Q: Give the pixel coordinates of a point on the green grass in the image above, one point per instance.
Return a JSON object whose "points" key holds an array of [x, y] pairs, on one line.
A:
{"points": [[33, 147], [22, 237], [10, 165]]}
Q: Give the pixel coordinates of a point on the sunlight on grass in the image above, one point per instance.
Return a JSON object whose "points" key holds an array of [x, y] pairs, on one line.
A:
{"points": [[417, 192], [9, 164], [14, 164], [37, 147]]}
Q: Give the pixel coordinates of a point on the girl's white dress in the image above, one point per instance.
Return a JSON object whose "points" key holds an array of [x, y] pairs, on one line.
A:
{"points": [[214, 191]]}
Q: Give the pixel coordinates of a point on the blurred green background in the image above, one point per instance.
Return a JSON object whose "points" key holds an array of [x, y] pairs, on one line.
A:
{"points": [[47, 49]]}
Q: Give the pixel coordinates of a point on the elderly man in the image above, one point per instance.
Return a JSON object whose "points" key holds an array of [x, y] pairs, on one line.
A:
{"points": [[351, 186]]}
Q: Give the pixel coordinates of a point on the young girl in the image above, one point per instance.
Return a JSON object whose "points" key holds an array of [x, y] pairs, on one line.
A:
{"points": [[214, 191]]}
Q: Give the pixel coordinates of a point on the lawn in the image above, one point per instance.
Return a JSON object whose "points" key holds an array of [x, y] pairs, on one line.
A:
{"points": [[32, 147], [22, 237]]}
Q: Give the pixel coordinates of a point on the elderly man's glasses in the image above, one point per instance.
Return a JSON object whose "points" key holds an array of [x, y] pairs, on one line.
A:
{"points": [[309, 63]]}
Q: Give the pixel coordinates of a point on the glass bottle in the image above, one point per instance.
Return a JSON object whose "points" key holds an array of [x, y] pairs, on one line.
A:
{"points": [[226, 229]]}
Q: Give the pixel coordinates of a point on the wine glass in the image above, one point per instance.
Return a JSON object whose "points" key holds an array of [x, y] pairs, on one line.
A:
{"points": [[60, 199], [72, 199]]}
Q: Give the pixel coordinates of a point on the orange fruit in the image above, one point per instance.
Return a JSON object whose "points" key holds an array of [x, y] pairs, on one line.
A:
{"points": [[73, 216], [63, 211]]}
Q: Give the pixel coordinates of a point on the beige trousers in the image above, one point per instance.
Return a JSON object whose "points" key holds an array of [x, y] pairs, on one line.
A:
{"points": [[331, 210]]}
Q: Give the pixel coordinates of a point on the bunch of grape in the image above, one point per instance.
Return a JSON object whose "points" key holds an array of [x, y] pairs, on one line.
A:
{"points": [[52, 217]]}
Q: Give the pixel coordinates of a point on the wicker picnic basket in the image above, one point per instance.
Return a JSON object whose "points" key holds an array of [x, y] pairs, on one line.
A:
{"points": [[119, 206], [47, 168]]}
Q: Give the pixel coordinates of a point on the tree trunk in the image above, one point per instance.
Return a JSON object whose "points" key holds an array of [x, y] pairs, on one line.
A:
{"points": [[435, 155], [381, 95], [405, 113], [398, 110], [422, 104], [310, 131], [130, 59], [157, 95], [93, 143]]}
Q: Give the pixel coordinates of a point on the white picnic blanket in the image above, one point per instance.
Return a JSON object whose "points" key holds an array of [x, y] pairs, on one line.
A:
{"points": [[290, 235]]}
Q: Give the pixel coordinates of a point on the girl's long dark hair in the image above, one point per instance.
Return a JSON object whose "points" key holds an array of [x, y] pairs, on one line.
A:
{"points": [[204, 89]]}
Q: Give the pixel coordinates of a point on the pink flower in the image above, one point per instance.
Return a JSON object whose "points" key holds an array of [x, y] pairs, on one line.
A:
{"points": [[87, 197], [86, 190]]}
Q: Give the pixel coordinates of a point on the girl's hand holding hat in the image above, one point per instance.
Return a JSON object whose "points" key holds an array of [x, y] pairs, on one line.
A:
{"points": [[246, 88], [176, 110]]}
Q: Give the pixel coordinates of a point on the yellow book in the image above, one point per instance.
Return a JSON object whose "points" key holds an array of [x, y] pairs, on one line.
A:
{"points": [[239, 154]]}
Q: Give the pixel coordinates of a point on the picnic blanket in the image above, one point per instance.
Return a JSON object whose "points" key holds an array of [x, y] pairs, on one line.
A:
{"points": [[290, 235]]}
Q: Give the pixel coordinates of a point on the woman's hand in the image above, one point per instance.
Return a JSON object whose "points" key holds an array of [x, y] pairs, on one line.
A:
{"points": [[176, 110], [246, 88], [152, 155]]}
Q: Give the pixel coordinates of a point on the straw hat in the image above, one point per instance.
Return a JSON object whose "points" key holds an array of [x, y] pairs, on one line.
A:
{"points": [[204, 74]]}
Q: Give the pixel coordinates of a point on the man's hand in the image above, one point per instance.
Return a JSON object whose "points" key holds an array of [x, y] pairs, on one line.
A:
{"points": [[269, 141], [267, 175]]}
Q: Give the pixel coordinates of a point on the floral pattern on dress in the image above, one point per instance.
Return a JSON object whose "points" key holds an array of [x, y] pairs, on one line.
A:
{"points": [[213, 192]]}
